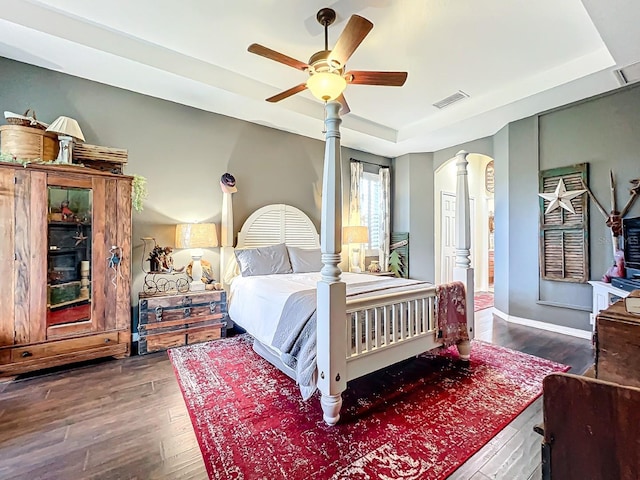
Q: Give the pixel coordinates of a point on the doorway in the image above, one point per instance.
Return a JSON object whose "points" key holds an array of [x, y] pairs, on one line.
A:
{"points": [[448, 234], [481, 206]]}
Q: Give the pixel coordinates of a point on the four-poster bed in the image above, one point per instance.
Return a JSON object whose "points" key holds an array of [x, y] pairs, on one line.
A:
{"points": [[358, 329]]}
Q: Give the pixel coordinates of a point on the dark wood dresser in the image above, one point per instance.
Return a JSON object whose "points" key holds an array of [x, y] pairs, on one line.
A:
{"points": [[618, 346], [174, 320]]}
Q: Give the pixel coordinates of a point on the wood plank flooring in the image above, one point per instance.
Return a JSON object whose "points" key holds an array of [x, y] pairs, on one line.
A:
{"points": [[126, 419]]}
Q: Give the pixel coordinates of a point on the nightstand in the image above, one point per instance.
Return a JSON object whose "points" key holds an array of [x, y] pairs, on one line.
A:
{"points": [[168, 321]]}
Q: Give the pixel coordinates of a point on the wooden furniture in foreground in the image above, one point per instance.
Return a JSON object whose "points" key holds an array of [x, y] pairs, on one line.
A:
{"points": [[590, 429], [184, 318], [65, 246], [618, 346]]}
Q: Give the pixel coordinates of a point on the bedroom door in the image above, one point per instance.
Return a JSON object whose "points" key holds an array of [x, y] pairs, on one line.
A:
{"points": [[448, 234]]}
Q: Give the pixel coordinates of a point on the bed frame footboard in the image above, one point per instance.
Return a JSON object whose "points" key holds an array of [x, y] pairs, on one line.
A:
{"points": [[388, 328]]}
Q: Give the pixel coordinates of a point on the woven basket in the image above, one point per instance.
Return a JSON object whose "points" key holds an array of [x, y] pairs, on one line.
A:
{"points": [[25, 120], [28, 143]]}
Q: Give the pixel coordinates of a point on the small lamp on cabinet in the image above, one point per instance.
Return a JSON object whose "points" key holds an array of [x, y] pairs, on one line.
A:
{"points": [[196, 236], [68, 131], [355, 235]]}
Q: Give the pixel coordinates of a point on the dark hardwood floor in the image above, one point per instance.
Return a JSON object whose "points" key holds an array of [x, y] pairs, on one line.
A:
{"points": [[125, 419]]}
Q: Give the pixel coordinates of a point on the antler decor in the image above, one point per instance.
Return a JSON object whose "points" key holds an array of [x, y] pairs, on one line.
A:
{"points": [[614, 218]]}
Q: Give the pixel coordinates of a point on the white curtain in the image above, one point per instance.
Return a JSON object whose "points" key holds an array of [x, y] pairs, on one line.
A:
{"points": [[354, 211], [385, 217], [354, 194]]}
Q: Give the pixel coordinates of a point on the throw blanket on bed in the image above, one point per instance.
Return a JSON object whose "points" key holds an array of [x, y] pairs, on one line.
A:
{"points": [[295, 335], [452, 313]]}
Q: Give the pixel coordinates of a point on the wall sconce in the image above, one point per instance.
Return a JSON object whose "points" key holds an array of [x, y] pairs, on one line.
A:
{"points": [[355, 235], [196, 236]]}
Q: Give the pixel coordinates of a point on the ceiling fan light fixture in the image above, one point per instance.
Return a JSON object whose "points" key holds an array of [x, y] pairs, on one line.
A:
{"points": [[326, 86]]}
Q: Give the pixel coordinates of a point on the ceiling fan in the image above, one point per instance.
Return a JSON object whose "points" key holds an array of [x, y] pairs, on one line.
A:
{"points": [[326, 68]]}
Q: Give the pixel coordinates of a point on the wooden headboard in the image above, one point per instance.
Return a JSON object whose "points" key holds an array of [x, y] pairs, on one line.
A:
{"points": [[278, 223]]}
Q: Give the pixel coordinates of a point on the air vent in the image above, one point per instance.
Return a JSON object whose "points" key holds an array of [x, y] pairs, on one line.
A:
{"points": [[628, 74], [445, 102]]}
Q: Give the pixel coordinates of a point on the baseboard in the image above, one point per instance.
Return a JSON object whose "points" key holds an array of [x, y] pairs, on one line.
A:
{"points": [[550, 327]]}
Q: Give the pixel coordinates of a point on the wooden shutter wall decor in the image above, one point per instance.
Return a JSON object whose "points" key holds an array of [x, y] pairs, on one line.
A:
{"points": [[564, 237]]}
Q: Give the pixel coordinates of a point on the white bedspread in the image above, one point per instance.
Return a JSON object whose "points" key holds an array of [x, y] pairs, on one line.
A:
{"points": [[256, 303]]}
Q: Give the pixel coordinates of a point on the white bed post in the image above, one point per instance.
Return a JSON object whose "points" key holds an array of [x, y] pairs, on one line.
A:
{"points": [[462, 271], [226, 234], [331, 307]]}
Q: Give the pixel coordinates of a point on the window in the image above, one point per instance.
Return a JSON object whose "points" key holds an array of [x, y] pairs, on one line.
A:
{"points": [[370, 215]]}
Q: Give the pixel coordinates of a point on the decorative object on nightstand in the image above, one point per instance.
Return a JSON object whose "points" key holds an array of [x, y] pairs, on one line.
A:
{"points": [[196, 236], [68, 131], [355, 235], [160, 280], [374, 267]]}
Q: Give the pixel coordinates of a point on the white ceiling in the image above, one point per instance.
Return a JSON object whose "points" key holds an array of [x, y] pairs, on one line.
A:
{"points": [[514, 58]]}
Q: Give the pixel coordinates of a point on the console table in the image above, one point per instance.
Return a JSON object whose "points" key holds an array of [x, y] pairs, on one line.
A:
{"points": [[604, 295]]}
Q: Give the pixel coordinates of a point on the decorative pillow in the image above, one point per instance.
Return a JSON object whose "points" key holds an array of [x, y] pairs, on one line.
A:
{"points": [[263, 260], [305, 260]]}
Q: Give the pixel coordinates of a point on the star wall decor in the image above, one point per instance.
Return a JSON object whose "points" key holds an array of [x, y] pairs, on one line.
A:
{"points": [[561, 198]]}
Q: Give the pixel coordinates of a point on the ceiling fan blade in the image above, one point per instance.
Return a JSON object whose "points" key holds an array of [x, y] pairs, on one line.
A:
{"points": [[389, 79], [287, 93], [353, 34], [345, 106], [277, 56]]}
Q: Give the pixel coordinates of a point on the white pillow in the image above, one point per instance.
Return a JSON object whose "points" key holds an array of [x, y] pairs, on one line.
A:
{"points": [[305, 260], [263, 260]]}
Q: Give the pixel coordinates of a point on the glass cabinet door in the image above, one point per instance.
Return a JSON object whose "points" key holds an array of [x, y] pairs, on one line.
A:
{"points": [[69, 237]]}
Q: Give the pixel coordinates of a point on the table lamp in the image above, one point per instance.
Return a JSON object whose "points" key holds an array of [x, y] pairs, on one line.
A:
{"points": [[68, 130], [355, 235], [196, 236]]}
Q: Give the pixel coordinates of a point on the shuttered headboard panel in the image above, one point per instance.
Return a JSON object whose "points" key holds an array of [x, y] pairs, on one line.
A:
{"points": [[278, 223]]}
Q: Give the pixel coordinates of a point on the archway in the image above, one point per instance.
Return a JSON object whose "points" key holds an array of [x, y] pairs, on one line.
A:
{"points": [[482, 208]]}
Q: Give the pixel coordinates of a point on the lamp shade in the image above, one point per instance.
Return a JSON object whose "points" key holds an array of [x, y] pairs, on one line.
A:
{"points": [[196, 235], [66, 126], [355, 234], [326, 86]]}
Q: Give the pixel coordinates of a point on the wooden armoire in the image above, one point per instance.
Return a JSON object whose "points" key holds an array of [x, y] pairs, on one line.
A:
{"points": [[65, 266]]}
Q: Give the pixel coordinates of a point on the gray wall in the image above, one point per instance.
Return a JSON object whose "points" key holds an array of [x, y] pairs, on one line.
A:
{"points": [[502, 264], [414, 201], [182, 151], [413, 210], [603, 132]]}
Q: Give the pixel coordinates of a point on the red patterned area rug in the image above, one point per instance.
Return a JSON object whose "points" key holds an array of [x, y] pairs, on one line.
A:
{"points": [[482, 300], [420, 419]]}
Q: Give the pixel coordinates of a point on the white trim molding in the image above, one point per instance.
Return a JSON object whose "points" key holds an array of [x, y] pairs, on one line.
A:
{"points": [[550, 327]]}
